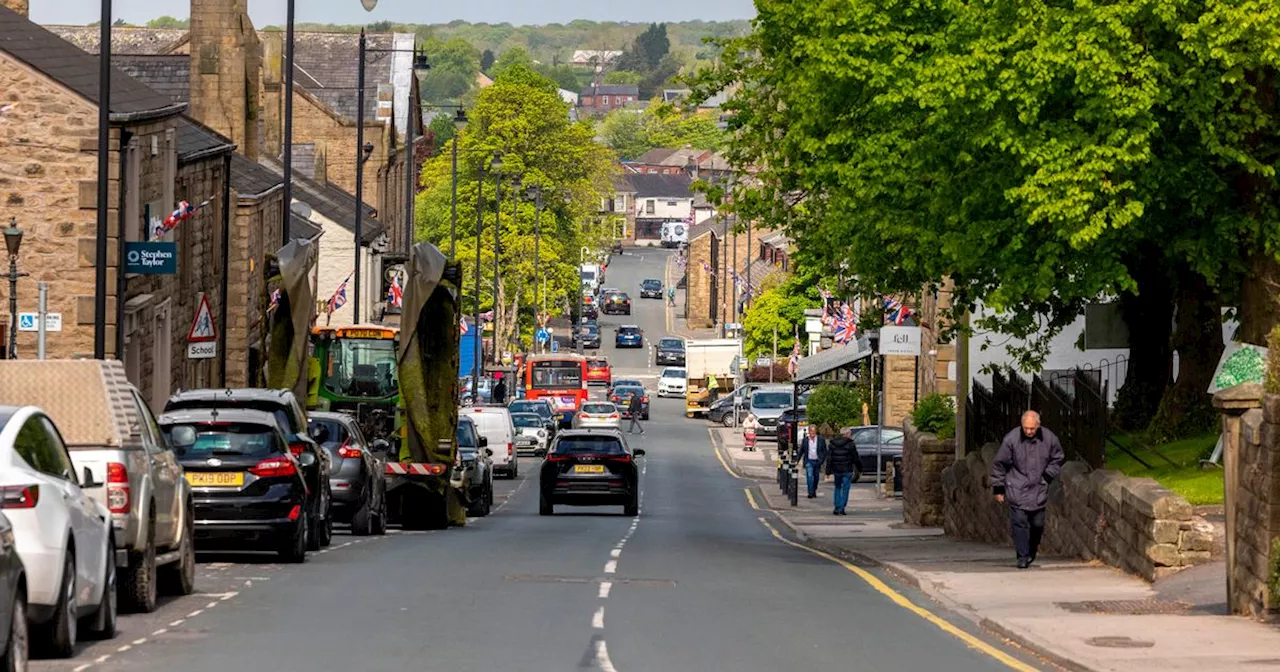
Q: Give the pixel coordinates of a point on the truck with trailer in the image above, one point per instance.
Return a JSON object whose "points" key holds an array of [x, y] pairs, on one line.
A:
{"points": [[705, 358]]}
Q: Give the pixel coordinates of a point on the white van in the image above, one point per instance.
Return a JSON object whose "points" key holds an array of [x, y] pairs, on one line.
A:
{"points": [[494, 423], [675, 234], [590, 274]]}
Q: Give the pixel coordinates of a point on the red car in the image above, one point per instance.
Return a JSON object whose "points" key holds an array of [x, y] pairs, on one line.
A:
{"points": [[599, 372]]}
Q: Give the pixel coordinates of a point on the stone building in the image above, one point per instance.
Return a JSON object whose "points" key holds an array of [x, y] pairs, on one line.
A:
{"points": [[718, 258]]}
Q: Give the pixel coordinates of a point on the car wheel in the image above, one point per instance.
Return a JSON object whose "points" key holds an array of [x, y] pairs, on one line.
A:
{"points": [[139, 580], [179, 578], [293, 548], [103, 623], [18, 647], [545, 507], [362, 522], [727, 419], [380, 524], [57, 638]]}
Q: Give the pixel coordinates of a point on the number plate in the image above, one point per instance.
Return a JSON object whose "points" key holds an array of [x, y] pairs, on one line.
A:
{"points": [[588, 469], [231, 479]]}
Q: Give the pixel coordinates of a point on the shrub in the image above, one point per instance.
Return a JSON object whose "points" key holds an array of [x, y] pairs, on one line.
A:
{"points": [[831, 407], [1273, 361], [936, 414]]}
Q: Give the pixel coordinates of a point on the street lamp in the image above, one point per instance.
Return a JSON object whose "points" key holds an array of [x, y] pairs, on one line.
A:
{"points": [[13, 242], [459, 120], [535, 194], [497, 248]]}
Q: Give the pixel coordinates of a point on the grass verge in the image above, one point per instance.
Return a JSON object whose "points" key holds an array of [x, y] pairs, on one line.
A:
{"points": [[1198, 486]]}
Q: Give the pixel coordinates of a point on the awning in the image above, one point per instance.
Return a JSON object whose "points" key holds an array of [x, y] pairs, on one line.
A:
{"points": [[833, 365]]}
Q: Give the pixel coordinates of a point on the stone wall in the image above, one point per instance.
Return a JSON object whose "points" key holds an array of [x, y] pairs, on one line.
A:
{"points": [[698, 289], [254, 234], [225, 64], [1251, 425], [1133, 524], [924, 458]]}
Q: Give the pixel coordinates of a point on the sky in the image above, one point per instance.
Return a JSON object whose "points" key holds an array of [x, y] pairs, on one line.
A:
{"points": [[272, 12]]}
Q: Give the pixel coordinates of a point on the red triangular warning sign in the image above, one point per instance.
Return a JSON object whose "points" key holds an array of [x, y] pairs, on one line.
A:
{"points": [[202, 328]]}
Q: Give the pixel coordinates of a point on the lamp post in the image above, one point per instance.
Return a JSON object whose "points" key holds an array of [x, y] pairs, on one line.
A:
{"points": [[104, 169], [515, 208], [459, 120], [288, 123], [475, 368], [364, 150], [411, 120], [535, 193], [496, 166], [13, 242]]}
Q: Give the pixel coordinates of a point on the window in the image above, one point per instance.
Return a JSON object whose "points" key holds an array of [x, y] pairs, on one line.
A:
{"points": [[622, 203], [589, 445], [648, 229], [161, 378], [334, 432], [149, 430], [208, 440], [649, 207], [671, 204], [39, 445], [604, 100], [466, 435]]}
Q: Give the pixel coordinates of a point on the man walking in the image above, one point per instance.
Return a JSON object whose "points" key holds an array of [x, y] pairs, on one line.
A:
{"points": [[634, 410], [842, 458], [1029, 458], [813, 452], [499, 394], [671, 296]]}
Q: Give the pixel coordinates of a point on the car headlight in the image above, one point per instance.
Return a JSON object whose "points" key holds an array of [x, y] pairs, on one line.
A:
{"points": [[542, 433]]}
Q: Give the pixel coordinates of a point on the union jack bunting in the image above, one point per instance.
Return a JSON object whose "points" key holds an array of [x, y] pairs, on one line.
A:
{"points": [[182, 213], [339, 298], [896, 311], [462, 325], [395, 295], [275, 301], [845, 330]]}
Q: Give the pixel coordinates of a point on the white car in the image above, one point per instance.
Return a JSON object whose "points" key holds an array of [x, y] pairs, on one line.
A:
{"points": [[494, 423], [531, 433], [672, 382], [62, 533], [598, 415]]}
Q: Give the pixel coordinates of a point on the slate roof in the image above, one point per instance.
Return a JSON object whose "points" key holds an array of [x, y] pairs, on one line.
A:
{"points": [[301, 227], [660, 186], [327, 68], [612, 90], [332, 202], [196, 141], [250, 179], [71, 67], [655, 156], [713, 225], [124, 40], [168, 74]]}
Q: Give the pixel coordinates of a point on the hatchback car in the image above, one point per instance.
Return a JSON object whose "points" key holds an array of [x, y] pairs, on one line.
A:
{"points": [[589, 309], [616, 304], [865, 438], [541, 407], [598, 414], [599, 372], [587, 336], [531, 433], [650, 288], [669, 351], [768, 404], [590, 468], [671, 383], [621, 397], [357, 482], [629, 336], [250, 492]]}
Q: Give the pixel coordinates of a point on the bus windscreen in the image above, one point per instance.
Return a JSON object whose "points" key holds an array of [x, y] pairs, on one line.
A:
{"points": [[556, 375]]}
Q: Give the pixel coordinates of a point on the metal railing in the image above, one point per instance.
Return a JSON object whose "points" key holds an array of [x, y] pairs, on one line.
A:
{"points": [[1073, 404]]}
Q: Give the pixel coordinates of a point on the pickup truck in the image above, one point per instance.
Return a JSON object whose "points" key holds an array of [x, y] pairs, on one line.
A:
{"points": [[111, 432]]}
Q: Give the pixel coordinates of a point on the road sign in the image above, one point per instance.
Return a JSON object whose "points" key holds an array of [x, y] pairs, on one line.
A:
{"points": [[542, 335], [31, 322], [151, 258], [202, 350], [764, 361], [900, 341], [202, 328], [555, 346]]}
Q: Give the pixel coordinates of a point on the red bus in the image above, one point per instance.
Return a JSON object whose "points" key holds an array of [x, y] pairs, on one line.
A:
{"points": [[559, 378]]}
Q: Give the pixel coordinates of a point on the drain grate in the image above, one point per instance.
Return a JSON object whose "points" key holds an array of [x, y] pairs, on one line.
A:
{"points": [[1119, 642], [1146, 607], [550, 578]]}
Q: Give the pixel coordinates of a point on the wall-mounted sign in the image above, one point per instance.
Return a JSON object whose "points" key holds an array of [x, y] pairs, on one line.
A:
{"points": [[202, 350], [31, 321], [151, 258], [202, 328], [900, 341]]}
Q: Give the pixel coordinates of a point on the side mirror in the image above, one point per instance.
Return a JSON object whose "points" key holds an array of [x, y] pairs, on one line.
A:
{"points": [[380, 446], [484, 441], [540, 452], [638, 452], [488, 451], [307, 460], [87, 481]]}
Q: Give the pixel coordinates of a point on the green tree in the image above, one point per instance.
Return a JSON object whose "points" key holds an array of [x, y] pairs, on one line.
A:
{"points": [[776, 312], [631, 133], [564, 76], [832, 407], [168, 22], [511, 57], [454, 65], [624, 132], [622, 77], [486, 60], [647, 51]]}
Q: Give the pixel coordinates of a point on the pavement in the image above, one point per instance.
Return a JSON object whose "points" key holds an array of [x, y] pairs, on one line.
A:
{"points": [[1072, 614], [701, 579]]}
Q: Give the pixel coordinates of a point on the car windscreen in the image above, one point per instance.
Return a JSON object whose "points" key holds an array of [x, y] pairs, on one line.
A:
{"points": [[599, 408], [771, 400], [627, 390], [651, 284], [589, 445], [597, 363], [671, 344], [199, 440], [673, 373], [526, 420], [335, 433]]}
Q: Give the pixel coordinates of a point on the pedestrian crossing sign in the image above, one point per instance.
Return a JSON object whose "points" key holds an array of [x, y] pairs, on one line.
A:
{"points": [[202, 329]]}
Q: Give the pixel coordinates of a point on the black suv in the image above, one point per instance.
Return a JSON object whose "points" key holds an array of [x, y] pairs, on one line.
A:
{"points": [[651, 289], [616, 304], [590, 467], [293, 423], [670, 351], [588, 336]]}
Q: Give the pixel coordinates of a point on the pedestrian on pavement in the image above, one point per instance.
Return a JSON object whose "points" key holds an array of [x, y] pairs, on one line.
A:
{"points": [[1029, 459], [634, 409], [813, 452], [842, 460], [713, 389], [500, 391], [671, 296], [749, 428]]}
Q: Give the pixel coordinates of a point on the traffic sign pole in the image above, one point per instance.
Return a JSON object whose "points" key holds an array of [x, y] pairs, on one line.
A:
{"points": [[44, 312]]}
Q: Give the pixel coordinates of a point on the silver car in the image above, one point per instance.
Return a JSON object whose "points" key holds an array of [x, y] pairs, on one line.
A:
{"points": [[356, 482], [598, 415], [531, 433], [767, 404]]}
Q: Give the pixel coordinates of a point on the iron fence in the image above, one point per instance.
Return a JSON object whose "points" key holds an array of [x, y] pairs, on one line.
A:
{"points": [[1071, 403]]}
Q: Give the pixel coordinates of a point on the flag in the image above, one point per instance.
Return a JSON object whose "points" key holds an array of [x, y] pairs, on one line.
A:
{"points": [[182, 213], [794, 364], [339, 298], [462, 323], [395, 295], [275, 301], [896, 311], [487, 316]]}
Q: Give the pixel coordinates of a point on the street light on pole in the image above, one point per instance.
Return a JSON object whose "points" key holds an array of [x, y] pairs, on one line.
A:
{"points": [[13, 242], [459, 120], [535, 193], [476, 364], [515, 208], [363, 152], [496, 166]]}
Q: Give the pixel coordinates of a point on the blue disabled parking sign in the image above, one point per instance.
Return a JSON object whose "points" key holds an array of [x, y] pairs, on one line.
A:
{"points": [[26, 322]]}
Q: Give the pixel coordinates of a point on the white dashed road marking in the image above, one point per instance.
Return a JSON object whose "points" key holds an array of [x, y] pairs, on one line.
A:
{"points": [[602, 657], [611, 567], [605, 587], [597, 620], [615, 552]]}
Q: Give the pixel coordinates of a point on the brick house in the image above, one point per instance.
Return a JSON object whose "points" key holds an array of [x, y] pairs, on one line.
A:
{"points": [[618, 208], [599, 100], [698, 164], [48, 178]]}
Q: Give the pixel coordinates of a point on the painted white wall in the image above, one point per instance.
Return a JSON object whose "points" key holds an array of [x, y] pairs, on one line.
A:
{"points": [[337, 261], [663, 208]]}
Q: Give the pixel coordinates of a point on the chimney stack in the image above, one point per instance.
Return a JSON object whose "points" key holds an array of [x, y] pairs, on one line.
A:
{"points": [[19, 6], [226, 67]]}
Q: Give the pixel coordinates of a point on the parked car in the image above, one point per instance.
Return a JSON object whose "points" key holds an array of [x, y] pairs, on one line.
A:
{"points": [[590, 468], [587, 336], [589, 308], [531, 433], [541, 407], [357, 483], [250, 488], [629, 336], [597, 415], [617, 303], [144, 488], [63, 534], [633, 382], [722, 410], [671, 383], [494, 424], [484, 390], [599, 372], [767, 404], [864, 437], [621, 397], [650, 288], [474, 469], [13, 602], [282, 405], [669, 351], [788, 419]]}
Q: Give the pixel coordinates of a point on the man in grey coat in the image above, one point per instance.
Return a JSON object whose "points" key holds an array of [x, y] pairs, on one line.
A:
{"points": [[1029, 458]]}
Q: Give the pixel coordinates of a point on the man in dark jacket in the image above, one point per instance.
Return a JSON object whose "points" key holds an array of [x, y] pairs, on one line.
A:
{"points": [[499, 395], [842, 460], [813, 452], [635, 409], [1028, 460]]}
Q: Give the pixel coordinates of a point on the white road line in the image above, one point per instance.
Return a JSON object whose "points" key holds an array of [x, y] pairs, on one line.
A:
{"points": [[602, 658], [605, 587], [124, 648], [211, 605], [177, 623], [195, 613], [611, 567], [615, 552], [229, 595], [81, 668], [102, 659], [597, 620], [159, 632], [140, 641]]}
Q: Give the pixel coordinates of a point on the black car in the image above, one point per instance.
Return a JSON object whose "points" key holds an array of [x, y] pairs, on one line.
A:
{"points": [[284, 407], [474, 468], [587, 336], [650, 289], [865, 438], [13, 600], [670, 351], [251, 494], [621, 395], [542, 407], [617, 303], [357, 482], [786, 421], [590, 467]]}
